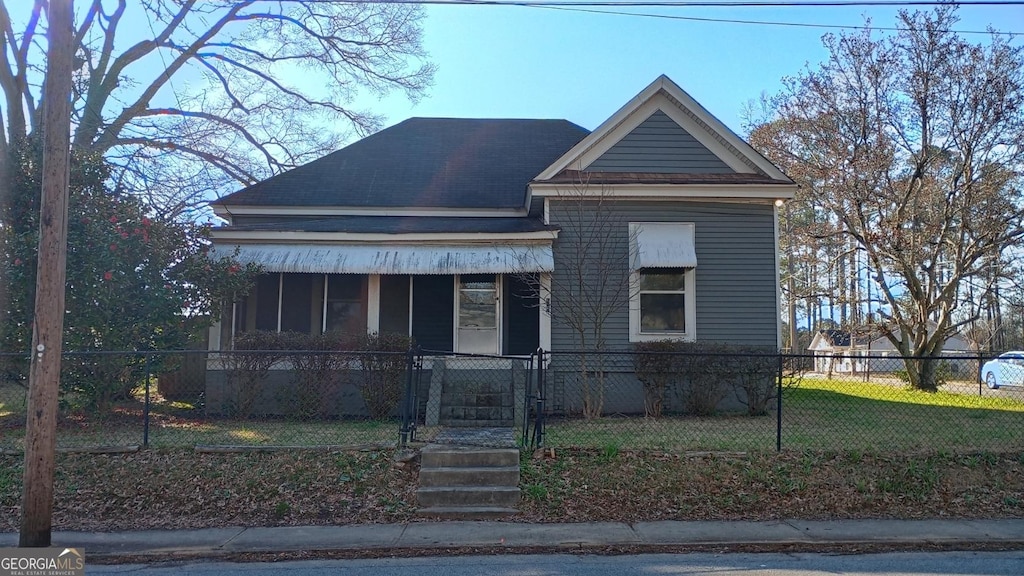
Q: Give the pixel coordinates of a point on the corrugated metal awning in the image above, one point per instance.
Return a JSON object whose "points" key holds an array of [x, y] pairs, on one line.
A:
{"points": [[394, 259], [661, 245]]}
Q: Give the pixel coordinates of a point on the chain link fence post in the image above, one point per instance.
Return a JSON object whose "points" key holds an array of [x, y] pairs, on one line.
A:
{"points": [[778, 408], [980, 377], [407, 398], [539, 426], [146, 404]]}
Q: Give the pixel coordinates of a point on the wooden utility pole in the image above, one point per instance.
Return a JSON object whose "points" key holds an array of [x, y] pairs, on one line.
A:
{"points": [[48, 326]]}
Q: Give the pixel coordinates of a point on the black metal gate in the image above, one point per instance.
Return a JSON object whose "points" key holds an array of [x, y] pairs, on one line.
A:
{"points": [[533, 401], [530, 416]]}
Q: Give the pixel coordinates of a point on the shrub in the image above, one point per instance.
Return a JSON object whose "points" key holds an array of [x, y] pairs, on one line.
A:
{"points": [[317, 365], [702, 364], [382, 359], [247, 366], [943, 372], [710, 370], [657, 367], [753, 374]]}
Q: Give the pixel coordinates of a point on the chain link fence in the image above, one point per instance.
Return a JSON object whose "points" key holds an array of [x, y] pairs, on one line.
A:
{"points": [[217, 399], [639, 400], [869, 402]]}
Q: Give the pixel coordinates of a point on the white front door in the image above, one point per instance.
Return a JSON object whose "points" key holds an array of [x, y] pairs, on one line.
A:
{"points": [[477, 322]]}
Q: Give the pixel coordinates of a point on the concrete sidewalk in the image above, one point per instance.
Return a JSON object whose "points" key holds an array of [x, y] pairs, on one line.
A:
{"points": [[511, 535]]}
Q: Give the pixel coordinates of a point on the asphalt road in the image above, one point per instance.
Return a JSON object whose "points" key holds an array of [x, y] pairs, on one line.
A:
{"points": [[909, 564]]}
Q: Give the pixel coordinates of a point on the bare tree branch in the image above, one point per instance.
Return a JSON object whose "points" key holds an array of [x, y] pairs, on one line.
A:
{"points": [[242, 110]]}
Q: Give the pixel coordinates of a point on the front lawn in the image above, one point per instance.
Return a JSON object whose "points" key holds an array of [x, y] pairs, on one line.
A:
{"points": [[821, 414]]}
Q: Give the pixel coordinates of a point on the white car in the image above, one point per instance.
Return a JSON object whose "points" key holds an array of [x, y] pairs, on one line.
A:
{"points": [[1005, 370]]}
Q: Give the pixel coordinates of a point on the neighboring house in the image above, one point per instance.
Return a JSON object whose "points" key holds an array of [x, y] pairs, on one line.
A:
{"points": [[839, 351], [437, 227]]}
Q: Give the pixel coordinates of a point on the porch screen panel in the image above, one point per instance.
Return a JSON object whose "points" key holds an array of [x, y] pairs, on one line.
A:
{"points": [[297, 302], [346, 303], [266, 301], [521, 313], [240, 312], [433, 312], [394, 303]]}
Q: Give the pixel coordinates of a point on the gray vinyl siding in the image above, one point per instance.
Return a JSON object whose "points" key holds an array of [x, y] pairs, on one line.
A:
{"points": [[660, 145], [736, 297]]}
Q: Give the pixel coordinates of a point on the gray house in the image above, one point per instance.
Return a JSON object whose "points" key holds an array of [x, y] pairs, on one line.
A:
{"points": [[474, 235]]}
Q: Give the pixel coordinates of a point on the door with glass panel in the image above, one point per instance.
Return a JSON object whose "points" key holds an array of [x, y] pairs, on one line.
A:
{"points": [[478, 314]]}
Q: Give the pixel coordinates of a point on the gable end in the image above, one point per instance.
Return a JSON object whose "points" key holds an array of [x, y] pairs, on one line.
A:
{"points": [[659, 145], [686, 110]]}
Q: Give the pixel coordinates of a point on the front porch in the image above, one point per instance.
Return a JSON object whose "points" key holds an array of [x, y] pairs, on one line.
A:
{"points": [[476, 313]]}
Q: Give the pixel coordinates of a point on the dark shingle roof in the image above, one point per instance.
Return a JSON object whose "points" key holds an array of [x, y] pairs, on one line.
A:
{"points": [[424, 163], [399, 225], [837, 337]]}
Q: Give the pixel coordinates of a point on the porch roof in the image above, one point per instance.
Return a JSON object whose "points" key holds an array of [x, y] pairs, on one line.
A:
{"points": [[394, 259]]}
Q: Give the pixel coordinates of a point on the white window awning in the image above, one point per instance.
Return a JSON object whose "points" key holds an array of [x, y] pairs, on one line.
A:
{"points": [[661, 245], [393, 259]]}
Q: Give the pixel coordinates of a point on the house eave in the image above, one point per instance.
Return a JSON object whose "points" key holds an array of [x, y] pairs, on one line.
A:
{"points": [[226, 211], [284, 237], [682, 191]]}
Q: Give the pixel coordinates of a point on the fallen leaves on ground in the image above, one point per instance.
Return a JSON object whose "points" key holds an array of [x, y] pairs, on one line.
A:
{"points": [[174, 489]]}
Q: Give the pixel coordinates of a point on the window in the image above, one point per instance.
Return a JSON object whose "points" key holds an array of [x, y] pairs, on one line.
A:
{"points": [[662, 301], [663, 263]]}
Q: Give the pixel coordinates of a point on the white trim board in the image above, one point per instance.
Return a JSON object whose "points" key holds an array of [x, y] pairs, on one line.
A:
{"points": [[288, 237], [669, 191]]}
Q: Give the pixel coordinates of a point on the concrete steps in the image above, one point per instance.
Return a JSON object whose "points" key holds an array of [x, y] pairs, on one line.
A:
{"points": [[469, 476], [468, 482], [471, 402]]}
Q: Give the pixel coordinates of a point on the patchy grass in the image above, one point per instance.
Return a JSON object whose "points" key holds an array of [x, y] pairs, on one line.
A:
{"points": [[720, 433]]}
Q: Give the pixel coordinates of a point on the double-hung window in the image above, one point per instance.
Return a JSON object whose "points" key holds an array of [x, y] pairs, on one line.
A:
{"points": [[662, 270]]}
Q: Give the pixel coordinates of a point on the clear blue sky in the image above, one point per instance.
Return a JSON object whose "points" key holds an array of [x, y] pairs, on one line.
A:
{"points": [[518, 62], [510, 62]]}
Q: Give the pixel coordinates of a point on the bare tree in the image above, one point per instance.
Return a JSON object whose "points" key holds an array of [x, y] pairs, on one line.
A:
{"points": [[913, 146], [245, 88], [590, 285]]}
